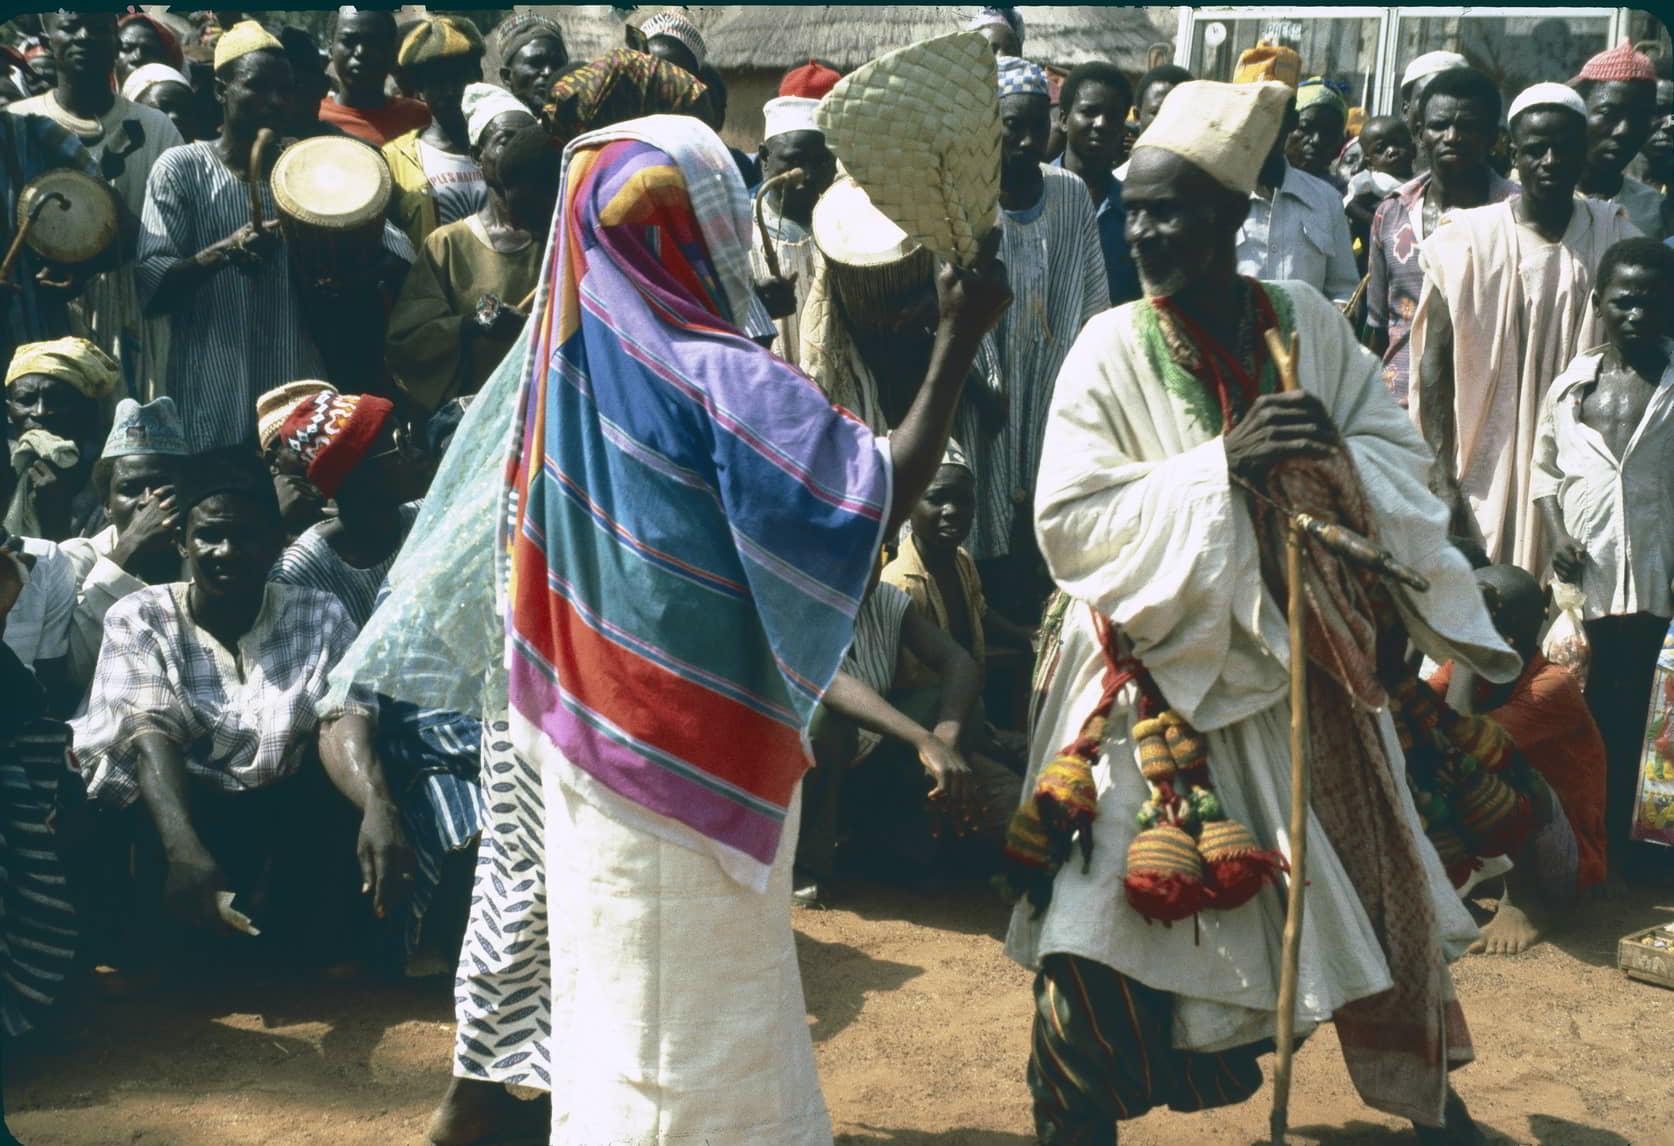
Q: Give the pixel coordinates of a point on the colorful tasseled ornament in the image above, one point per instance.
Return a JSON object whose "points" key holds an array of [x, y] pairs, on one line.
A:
{"points": [[1165, 875], [1183, 810], [1495, 814], [1068, 803], [1236, 866]]}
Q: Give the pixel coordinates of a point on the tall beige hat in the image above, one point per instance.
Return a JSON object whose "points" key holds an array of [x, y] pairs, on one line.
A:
{"points": [[1226, 129], [919, 130]]}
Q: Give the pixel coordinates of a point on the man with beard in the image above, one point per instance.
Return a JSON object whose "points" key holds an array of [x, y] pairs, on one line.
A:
{"points": [[237, 325], [1164, 408], [1620, 90], [1506, 305], [1051, 250], [1092, 107], [1459, 117]]}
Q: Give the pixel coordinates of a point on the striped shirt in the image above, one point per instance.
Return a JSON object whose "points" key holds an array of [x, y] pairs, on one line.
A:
{"points": [[877, 647], [312, 563], [242, 333], [1056, 266]]}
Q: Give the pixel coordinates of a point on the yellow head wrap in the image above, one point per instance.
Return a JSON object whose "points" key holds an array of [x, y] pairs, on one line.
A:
{"points": [[1268, 62], [439, 38], [241, 39], [75, 360]]}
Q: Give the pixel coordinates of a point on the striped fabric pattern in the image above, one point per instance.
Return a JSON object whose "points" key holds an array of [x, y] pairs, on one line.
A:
{"points": [[694, 523], [1055, 264], [39, 932], [218, 364]]}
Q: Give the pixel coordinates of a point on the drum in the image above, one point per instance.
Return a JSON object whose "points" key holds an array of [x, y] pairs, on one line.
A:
{"points": [[331, 193], [76, 225]]}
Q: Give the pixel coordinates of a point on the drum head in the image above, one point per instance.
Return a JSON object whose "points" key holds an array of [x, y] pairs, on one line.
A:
{"points": [[74, 233], [335, 183]]}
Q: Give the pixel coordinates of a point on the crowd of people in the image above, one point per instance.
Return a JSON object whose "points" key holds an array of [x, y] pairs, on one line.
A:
{"points": [[459, 578]]}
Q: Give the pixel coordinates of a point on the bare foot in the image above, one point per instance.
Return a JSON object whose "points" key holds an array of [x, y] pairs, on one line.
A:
{"points": [[478, 1113], [1512, 931]]}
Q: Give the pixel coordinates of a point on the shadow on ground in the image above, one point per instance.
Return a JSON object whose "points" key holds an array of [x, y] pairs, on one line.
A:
{"points": [[878, 1136], [836, 979]]}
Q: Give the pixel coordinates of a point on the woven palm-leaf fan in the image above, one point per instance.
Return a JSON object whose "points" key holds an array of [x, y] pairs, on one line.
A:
{"points": [[919, 130]]}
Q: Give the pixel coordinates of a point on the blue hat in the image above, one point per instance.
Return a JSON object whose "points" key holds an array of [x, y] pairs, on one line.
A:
{"points": [[1020, 77], [153, 428]]}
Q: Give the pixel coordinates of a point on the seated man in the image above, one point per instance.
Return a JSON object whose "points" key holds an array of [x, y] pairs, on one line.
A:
{"points": [[300, 504], [934, 569], [55, 395], [467, 296], [860, 731], [355, 453], [1547, 719], [134, 478], [205, 720]]}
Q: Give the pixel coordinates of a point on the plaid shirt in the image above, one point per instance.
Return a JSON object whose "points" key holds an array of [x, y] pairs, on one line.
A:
{"points": [[242, 718]]}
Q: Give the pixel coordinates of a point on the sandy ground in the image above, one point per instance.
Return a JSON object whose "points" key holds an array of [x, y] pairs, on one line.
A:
{"points": [[920, 1027]]}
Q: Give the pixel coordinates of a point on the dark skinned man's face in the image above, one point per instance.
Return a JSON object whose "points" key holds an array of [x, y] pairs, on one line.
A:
{"points": [[1002, 40], [1093, 124], [134, 480], [1025, 127], [1317, 139], [1659, 148], [1457, 134], [83, 43], [362, 53], [1549, 149], [41, 402], [1618, 123], [1633, 306], [229, 544], [1179, 221], [805, 149], [1151, 103], [138, 44], [529, 74], [256, 93], [442, 86]]}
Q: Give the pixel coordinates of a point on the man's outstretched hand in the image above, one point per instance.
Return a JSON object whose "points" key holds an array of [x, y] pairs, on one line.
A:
{"points": [[1279, 426]]}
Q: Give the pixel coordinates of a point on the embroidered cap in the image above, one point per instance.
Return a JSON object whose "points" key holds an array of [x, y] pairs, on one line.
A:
{"points": [[1021, 77], [153, 428]]}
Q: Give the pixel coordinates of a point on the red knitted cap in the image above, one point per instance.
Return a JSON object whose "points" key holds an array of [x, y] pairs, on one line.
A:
{"points": [[811, 81], [332, 432], [1619, 63]]}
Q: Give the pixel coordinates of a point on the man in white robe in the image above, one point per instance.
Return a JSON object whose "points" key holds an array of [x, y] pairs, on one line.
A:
{"points": [[1504, 308], [1140, 518]]}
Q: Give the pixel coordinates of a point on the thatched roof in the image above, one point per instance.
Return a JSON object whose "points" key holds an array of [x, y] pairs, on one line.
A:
{"points": [[775, 37]]}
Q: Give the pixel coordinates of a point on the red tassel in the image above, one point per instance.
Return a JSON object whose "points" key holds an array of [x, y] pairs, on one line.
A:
{"points": [[1165, 898], [1233, 882]]}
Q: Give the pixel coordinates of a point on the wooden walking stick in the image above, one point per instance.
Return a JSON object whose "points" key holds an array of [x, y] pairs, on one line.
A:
{"points": [[1290, 961]]}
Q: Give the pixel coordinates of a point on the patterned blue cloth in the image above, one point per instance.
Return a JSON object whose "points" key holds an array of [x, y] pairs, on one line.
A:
{"points": [[1021, 77]]}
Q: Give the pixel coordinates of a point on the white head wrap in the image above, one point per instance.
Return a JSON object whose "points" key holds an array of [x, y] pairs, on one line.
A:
{"points": [[148, 75], [1430, 63], [1547, 95], [672, 24], [482, 102], [789, 113], [1226, 129]]}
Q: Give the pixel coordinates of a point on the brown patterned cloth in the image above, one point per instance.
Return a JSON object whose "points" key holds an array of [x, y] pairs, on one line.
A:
{"points": [[617, 87], [1399, 1045]]}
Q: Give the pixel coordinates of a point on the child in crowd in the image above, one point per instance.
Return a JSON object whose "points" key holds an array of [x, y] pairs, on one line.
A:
{"points": [[1603, 483], [1387, 151]]}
